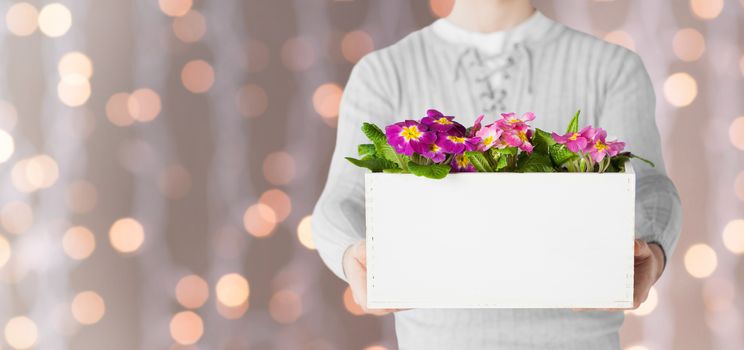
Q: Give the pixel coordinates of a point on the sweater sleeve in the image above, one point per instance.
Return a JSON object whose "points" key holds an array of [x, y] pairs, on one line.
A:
{"points": [[629, 114], [338, 220]]}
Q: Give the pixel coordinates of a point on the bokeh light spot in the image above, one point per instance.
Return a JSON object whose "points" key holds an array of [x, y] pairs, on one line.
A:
{"points": [[78, 242], [197, 76], [688, 44], [680, 89], [7, 146], [441, 8], [22, 19], [356, 44], [55, 20], [327, 100], [77, 63], [706, 9], [144, 105], [279, 168], [736, 133], [175, 8], [190, 27], [117, 109], [126, 235], [88, 307], [285, 306], [622, 38], [5, 251], [259, 220], [305, 232], [186, 327], [232, 290], [700, 260], [73, 90], [192, 291], [278, 201], [733, 236], [17, 217], [21, 332]]}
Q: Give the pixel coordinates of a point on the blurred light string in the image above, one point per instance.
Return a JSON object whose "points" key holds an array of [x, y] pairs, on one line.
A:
{"points": [[159, 275], [65, 145], [228, 180]]}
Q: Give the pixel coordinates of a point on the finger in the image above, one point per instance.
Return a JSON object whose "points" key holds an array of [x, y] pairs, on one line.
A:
{"points": [[360, 253], [641, 249]]}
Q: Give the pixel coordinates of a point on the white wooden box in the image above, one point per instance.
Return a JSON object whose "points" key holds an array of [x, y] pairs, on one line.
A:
{"points": [[500, 240]]}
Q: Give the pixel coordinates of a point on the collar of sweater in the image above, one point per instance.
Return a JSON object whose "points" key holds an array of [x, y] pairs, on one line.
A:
{"points": [[533, 29]]}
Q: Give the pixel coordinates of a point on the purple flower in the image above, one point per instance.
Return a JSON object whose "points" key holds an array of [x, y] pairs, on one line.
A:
{"points": [[576, 141], [409, 136], [460, 164], [437, 121], [434, 152], [456, 143], [601, 148]]}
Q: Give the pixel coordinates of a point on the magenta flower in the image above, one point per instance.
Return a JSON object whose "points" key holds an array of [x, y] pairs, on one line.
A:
{"points": [[490, 136], [437, 121], [434, 152], [511, 120], [409, 136], [457, 143], [601, 148], [460, 164], [476, 126], [576, 141], [518, 137]]}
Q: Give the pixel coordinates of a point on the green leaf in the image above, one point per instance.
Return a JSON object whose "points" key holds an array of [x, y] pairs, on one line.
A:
{"points": [[366, 149], [434, 171], [535, 163], [643, 160], [374, 133], [479, 161], [393, 171], [559, 154], [542, 140], [501, 164], [573, 126], [374, 164], [617, 163]]}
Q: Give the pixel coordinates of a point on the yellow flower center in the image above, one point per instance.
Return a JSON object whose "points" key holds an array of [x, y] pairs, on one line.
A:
{"points": [[411, 133], [523, 136], [514, 120], [456, 139], [434, 148], [462, 162], [573, 136], [443, 121], [488, 140], [600, 146]]}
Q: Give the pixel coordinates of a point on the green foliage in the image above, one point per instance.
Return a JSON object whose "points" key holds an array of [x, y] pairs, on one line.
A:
{"points": [[534, 163], [374, 164], [433, 171], [560, 155], [393, 171], [374, 133], [573, 126], [479, 161], [382, 147], [366, 150], [617, 164], [542, 141]]}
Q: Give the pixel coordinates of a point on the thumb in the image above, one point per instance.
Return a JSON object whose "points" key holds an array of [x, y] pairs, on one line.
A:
{"points": [[641, 248], [360, 252]]}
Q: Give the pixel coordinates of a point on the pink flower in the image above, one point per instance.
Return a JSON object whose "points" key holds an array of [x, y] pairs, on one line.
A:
{"points": [[518, 137], [510, 120], [601, 148], [409, 136], [576, 141], [489, 136]]}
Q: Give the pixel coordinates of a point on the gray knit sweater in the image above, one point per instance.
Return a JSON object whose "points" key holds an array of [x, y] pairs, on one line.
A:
{"points": [[549, 69]]}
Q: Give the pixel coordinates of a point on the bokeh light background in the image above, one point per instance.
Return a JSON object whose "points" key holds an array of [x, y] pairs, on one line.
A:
{"points": [[160, 160]]}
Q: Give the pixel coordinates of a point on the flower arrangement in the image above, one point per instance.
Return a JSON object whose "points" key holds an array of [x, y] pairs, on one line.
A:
{"points": [[437, 145]]}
